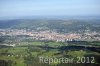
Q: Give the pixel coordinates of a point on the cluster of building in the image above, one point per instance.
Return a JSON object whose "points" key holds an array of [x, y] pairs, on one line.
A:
{"points": [[51, 35]]}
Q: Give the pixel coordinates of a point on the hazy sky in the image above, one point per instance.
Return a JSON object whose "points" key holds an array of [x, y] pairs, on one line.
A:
{"points": [[10, 8]]}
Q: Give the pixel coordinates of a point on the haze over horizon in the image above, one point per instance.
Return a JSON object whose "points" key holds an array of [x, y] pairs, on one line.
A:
{"points": [[22, 8]]}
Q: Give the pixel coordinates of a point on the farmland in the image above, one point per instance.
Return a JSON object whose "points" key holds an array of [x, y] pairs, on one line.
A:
{"points": [[28, 55]]}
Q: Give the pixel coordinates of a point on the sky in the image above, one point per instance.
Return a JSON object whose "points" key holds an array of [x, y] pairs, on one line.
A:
{"points": [[17, 8]]}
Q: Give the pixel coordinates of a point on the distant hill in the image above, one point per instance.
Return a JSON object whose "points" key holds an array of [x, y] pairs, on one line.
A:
{"points": [[60, 25]]}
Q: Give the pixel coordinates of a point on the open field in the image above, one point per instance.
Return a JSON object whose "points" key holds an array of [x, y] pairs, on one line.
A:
{"points": [[28, 54]]}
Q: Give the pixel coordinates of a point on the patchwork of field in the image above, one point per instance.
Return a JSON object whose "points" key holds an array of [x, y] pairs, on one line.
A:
{"points": [[28, 53]]}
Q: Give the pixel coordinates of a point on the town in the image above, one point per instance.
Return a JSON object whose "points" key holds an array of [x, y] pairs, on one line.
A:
{"points": [[51, 35]]}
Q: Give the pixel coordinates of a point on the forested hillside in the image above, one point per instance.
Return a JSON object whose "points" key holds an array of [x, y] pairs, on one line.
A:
{"points": [[59, 25]]}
